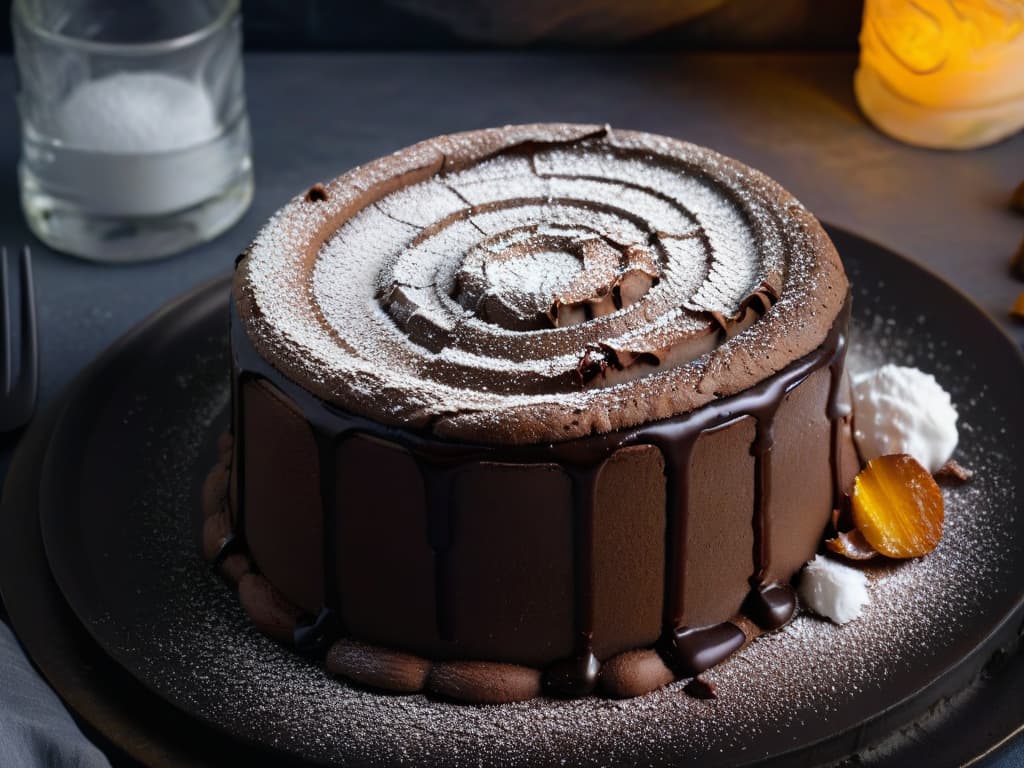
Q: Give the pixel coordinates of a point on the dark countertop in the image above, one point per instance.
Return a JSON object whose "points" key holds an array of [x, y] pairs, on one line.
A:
{"points": [[792, 116]]}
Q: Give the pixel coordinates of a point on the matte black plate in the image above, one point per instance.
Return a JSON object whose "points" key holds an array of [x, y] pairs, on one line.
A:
{"points": [[123, 716], [119, 493]]}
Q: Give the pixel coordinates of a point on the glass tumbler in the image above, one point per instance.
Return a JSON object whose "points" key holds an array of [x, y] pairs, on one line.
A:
{"points": [[135, 138]]}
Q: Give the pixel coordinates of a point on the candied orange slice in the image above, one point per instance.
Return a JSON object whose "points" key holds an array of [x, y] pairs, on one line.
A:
{"points": [[897, 506], [851, 545]]}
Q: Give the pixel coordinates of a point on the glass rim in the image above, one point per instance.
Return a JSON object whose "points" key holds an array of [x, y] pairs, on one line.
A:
{"points": [[228, 12]]}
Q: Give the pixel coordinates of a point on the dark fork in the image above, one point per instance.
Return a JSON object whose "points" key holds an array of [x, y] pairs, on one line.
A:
{"points": [[18, 393]]}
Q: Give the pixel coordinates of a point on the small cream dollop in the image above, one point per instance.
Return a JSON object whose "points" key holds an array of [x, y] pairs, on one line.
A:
{"points": [[832, 590], [897, 409]]}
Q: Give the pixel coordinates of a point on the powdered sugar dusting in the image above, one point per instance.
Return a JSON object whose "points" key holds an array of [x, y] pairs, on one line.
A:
{"points": [[436, 286], [773, 692]]}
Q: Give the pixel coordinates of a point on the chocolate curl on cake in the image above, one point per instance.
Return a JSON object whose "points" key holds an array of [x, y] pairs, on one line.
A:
{"points": [[611, 279], [608, 362], [538, 277], [599, 359]]}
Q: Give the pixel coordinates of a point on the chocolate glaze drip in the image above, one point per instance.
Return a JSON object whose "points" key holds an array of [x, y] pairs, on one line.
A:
{"points": [[762, 452], [771, 606], [688, 650], [700, 688], [327, 446], [836, 411], [313, 635], [438, 485], [237, 479], [677, 451], [575, 676], [691, 651]]}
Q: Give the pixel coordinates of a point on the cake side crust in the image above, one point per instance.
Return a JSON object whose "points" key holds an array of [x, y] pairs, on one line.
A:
{"points": [[624, 675]]}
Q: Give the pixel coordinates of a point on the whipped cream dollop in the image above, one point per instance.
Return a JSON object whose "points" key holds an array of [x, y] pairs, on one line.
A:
{"points": [[833, 590], [898, 409]]}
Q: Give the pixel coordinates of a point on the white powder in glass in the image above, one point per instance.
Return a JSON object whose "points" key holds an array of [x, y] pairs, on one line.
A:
{"points": [[141, 144], [136, 112]]}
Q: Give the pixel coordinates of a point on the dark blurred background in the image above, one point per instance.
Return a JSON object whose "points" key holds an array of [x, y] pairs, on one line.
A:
{"points": [[630, 24]]}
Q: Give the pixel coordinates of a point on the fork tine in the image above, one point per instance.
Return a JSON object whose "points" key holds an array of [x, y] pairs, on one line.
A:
{"points": [[5, 317], [28, 381]]}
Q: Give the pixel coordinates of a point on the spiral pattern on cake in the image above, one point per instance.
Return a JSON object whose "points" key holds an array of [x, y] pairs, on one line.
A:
{"points": [[538, 283]]}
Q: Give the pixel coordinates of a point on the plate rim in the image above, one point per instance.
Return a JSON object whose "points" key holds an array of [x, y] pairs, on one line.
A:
{"points": [[80, 387]]}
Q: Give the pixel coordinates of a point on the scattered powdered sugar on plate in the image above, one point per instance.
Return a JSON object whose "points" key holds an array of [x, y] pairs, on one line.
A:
{"points": [[201, 652]]}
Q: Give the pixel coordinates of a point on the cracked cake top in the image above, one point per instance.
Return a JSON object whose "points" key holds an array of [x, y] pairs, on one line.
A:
{"points": [[538, 283]]}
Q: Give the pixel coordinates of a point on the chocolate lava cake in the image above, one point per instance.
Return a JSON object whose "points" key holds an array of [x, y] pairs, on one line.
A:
{"points": [[547, 409]]}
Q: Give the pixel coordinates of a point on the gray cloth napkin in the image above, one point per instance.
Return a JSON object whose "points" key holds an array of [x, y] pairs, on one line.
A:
{"points": [[36, 730]]}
